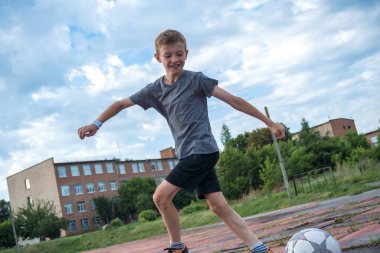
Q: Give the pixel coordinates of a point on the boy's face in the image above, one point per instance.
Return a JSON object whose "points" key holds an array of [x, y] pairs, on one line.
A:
{"points": [[172, 57]]}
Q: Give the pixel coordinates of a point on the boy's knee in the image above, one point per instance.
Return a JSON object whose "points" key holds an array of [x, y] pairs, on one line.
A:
{"points": [[160, 200]]}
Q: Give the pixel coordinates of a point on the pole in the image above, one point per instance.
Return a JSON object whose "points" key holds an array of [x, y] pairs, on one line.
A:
{"points": [[14, 229], [282, 166]]}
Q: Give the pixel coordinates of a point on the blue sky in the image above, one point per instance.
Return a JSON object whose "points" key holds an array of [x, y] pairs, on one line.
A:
{"points": [[63, 62]]}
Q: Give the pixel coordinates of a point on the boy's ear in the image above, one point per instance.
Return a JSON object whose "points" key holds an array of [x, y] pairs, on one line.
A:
{"points": [[157, 57]]}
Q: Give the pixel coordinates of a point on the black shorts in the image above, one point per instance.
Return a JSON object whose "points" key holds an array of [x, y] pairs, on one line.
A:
{"points": [[196, 172]]}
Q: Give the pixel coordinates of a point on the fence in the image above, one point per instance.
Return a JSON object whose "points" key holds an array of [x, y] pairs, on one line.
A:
{"points": [[314, 180]]}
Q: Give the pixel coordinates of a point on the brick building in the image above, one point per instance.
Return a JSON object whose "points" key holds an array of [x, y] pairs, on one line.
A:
{"points": [[71, 186], [372, 138], [334, 127]]}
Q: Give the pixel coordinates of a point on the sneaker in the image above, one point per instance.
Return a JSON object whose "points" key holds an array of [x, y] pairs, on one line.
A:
{"points": [[170, 250]]}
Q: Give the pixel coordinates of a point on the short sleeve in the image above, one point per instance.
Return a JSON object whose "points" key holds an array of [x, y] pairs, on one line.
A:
{"points": [[142, 98], [205, 84]]}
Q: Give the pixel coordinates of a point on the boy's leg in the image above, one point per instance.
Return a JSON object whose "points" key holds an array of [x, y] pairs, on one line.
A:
{"points": [[162, 198], [221, 208]]}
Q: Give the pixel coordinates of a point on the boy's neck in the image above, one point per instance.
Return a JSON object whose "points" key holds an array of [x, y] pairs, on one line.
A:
{"points": [[170, 79]]}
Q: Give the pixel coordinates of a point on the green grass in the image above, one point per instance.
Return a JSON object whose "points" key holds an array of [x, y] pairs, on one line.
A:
{"points": [[250, 205]]}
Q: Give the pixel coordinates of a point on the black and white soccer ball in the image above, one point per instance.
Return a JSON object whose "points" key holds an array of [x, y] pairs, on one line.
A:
{"points": [[312, 240]]}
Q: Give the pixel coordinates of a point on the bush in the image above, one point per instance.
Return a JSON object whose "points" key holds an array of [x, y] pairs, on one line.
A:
{"points": [[116, 223], [6, 235], [194, 207], [148, 215]]}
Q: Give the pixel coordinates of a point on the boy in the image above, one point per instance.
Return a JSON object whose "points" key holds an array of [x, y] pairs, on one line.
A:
{"points": [[181, 97]]}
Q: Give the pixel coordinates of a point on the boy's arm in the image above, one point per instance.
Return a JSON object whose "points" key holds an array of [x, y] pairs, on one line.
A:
{"points": [[242, 105], [112, 110]]}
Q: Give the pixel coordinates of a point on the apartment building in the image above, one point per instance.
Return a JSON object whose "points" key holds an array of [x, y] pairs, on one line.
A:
{"points": [[334, 127], [72, 186]]}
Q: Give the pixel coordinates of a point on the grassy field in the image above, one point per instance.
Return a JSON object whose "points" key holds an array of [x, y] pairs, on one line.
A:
{"points": [[253, 204]]}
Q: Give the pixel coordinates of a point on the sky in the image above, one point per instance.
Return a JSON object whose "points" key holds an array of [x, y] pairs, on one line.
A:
{"points": [[63, 62]]}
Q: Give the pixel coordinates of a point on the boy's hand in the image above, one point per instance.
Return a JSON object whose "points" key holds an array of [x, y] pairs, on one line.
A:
{"points": [[87, 131], [278, 130]]}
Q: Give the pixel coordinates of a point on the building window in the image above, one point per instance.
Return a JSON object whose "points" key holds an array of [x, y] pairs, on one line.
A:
{"points": [[141, 167], [171, 164], [90, 188], [86, 170], [74, 170], [62, 171], [84, 223], [78, 189], [374, 141], [92, 204], [65, 190], [113, 185], [122, 169], [159, 165], [69, 208], [134, 168], [72, 225], [102, 186], [98, 168], [27, 184], [82, 206], [29, 200], [97, 221], [110, 168]]}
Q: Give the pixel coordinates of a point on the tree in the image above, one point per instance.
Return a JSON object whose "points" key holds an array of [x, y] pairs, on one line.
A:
{"points": [[270, 174], [225, 135], [259, 137], [356, 140], [233, 172], [136, 196], [183, 198], [39, 220], [6, 235], [104, 208], [307, 136], [240, 142], [4, 210]]}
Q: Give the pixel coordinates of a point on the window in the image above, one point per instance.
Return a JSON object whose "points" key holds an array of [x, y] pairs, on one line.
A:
{"points": [[72, 225], [90, 188], [27, 184], [109, 167], [29, 200], [84, 223], [69, 208], [171, 164], [159, 165], [141, 167], [113, 185], [92, 204], [374, 141], [98, 168], [86, 170], [134, 168], [78, 189], [97, 221], [74, 170], [62, 171], [65, 190], [82, 206], [122, 169], [102, 186]]}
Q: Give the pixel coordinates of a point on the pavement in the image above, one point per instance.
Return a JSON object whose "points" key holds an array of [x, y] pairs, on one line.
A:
{"points": [[353, 220]]}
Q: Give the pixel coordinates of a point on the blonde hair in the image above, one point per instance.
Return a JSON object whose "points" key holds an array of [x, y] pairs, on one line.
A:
{"points": [[169, 37]]}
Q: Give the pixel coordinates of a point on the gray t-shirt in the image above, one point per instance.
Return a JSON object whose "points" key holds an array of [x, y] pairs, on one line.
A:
{"points": [[184, 105]]}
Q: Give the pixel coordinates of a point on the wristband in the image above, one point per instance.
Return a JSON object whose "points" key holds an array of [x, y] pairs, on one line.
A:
{"points": [[97, 123]]}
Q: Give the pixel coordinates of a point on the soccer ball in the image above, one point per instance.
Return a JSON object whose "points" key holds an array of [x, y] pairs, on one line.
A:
{"points": [[312, 240]]}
